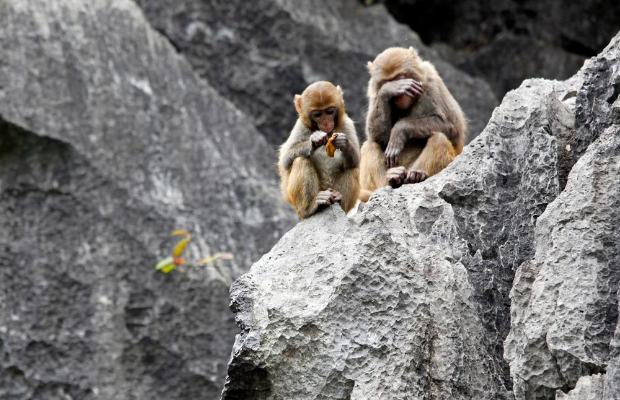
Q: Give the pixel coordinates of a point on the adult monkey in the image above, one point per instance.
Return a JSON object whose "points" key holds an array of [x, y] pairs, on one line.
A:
{"points": [[309, 177], [414, 127]]}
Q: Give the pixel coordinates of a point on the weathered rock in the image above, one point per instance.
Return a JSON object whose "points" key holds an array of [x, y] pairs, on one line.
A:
{"points": [[409, 298], [588, 388], [260, 53], [565, 300], [108, 141], [508, 41]]}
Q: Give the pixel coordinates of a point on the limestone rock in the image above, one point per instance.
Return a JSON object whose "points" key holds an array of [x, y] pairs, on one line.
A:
{"points": [[565, 300], [588, 388], [108, 142], [508, 41], [260, 53], [409, 298]]}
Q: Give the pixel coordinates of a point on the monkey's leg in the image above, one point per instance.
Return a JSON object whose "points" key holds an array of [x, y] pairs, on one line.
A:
{"points": [[348, 184], [437, 154], [303, 190], [372, 169]]}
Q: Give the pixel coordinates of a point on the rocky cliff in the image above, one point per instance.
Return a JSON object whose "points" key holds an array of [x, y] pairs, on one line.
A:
{"points": [[416, 297], [535, 38], [113, 134], [122, 120], [108, 142], [257, 53]]}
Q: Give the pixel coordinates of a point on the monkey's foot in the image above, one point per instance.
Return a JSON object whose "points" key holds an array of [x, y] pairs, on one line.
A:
{"points": [[396, 176], [415, 176], [328, 197]]}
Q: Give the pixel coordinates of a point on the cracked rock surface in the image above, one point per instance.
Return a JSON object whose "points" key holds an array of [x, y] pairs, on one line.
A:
{"points": [[565, 299]]}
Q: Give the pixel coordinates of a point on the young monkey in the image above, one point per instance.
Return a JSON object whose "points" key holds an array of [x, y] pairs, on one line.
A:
{"points": [[414, 126], [309, 177]]}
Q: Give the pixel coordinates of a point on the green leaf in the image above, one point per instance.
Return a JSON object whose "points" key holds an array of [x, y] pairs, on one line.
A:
{"points": [[210, 258], [166, 265], [168, 268]]}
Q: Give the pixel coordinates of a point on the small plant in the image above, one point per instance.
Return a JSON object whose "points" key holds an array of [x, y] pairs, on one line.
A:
{"points": [[177, 262]]}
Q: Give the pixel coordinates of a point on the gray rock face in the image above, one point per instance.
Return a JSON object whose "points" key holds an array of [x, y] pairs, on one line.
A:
{"points": [[108, 141], [505, 42], [588, 388], [565, 300], [260, 53], [409, 298]]}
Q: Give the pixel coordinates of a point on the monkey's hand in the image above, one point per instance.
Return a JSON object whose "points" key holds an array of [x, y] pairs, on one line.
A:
{"points": [[318, 139], [396, 177], [393, 150], [400, 87], [415, 176], [341, 142], [328, 197]]}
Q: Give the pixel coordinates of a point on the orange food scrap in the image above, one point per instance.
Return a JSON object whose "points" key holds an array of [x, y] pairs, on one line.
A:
{"points": [[330, 148]]}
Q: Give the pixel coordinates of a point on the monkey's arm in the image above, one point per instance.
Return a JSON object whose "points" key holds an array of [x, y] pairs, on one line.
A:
{"points": [[300, 144], [348, 144], [290, 153], [419, 127], [379, 120]]}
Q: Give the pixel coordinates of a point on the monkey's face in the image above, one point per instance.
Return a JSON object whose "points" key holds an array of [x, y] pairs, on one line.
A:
{"points": [[321, 106], [402, 102], [325, 119]]}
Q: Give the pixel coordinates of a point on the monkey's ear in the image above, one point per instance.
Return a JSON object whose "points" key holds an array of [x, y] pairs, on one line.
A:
{"points": [[340, 93], [369, 66], [413, 52], [298, 103]]}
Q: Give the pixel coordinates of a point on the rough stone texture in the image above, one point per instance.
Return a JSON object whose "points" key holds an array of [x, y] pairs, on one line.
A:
{"points": [[588, 388], [260, 53], [507, 41], [409, 298], [565, 300], [108, 141]]}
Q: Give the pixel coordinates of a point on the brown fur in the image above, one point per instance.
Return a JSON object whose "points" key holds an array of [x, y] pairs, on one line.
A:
{"points": [[434, 125], [319, 96], [305, 172]]}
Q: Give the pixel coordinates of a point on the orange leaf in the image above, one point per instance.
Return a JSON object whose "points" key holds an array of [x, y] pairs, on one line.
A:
{"points": [[330, 148], [178, 249]]}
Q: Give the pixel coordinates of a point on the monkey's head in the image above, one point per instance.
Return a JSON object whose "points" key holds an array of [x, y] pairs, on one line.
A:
{"points": [[321, 106], [392, 64]]}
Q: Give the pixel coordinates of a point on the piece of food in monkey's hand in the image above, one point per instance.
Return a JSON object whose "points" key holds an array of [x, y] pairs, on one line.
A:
{"points": [[330, 148]]}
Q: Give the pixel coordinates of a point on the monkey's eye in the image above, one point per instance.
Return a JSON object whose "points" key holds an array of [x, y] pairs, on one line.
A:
{"points": [[316, 114], [330, 111]]}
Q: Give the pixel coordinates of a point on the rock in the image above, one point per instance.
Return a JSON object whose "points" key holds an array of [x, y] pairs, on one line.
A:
{"points": [[108, 142], [508, 41], [565, 299], [588, 388], [260, 53], [409, 297]]}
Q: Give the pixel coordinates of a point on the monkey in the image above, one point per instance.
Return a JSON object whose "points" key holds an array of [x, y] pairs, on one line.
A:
{"points": [[414, 127], [310, 179]]}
